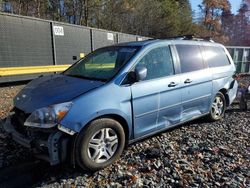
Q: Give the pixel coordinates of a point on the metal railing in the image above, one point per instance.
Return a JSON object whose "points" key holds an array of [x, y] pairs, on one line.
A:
{"points": [[241, 57]]}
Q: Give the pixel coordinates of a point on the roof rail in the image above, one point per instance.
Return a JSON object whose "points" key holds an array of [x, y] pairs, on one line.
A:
{"points": [[191, 37]]}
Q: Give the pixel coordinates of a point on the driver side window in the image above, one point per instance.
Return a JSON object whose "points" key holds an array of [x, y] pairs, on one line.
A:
{"points": [[159, 63]]}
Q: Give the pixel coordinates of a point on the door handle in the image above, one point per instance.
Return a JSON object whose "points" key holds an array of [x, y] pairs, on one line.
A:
{"points": [[187, 81], [172, 84]]}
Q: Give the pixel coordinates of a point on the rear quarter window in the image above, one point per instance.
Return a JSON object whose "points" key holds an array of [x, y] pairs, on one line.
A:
{"points": [[215, 56], [190, 57]]}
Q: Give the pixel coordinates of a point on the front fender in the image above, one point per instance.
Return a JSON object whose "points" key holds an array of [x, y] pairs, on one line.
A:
{"points": [[78, 126], [104, 101]]}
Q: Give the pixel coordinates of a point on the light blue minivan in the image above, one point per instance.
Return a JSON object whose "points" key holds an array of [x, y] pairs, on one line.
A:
{"points": [[119, 94]]}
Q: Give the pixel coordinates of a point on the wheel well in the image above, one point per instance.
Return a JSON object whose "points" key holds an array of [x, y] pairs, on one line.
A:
{"points": [[121, 120], [224, 92]]}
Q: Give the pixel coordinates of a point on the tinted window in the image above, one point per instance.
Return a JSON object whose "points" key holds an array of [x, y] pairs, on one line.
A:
{"points": [[190, 58], [158, 62], [215, 56]]}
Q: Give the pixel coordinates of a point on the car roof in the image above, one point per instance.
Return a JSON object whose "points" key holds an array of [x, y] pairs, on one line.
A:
{"points": [[173, 41]]}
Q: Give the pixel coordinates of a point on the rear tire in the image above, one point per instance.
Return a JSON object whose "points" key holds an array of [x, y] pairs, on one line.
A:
{"points": [[217, 111], [99, 144]]}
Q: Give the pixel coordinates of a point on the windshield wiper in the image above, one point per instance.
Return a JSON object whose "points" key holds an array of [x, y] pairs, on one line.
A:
{"points": [[86, 77]]}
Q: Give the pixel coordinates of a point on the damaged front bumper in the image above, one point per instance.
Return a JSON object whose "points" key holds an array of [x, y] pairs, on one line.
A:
{"points": [[51, 145]]}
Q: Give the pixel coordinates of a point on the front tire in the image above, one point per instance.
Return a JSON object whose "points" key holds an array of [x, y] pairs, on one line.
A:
{"points": [[217, 111], [100, 144]]}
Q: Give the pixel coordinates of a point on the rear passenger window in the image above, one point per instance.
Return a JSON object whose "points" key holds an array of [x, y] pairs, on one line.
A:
{"points": [[190, 58], [158, 62], [215, 56]]}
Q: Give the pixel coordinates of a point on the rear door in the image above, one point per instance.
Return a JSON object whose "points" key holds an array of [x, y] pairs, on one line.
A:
{"points": [[156, 100], [196, 81]]}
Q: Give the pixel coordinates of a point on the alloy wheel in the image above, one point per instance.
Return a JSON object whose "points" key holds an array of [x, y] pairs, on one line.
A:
{"points": [[102, 145], [217, 107]]}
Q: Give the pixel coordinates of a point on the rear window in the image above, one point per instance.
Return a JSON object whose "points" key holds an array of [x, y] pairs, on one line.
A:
{"points": [[190, 58], [215, 56]]}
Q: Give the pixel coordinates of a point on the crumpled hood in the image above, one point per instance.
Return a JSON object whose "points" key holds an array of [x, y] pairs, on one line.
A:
{"points": [[53, 89]]}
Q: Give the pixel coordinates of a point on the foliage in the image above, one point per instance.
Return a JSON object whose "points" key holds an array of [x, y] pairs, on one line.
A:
{"points": [[241, 27], [153, 18]]}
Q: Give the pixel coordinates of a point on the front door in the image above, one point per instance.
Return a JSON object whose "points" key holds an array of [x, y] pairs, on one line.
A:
{"points": [[156, 99]]}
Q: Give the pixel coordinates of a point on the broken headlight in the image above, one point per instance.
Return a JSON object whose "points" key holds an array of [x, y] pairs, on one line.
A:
{"points": [[48, 117]]}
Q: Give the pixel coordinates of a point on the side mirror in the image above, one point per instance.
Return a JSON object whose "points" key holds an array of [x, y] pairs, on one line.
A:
{"points": [[140, 73]]}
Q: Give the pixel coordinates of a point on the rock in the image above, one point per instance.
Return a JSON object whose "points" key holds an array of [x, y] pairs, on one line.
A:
{"points": [[145, 169], [116, 185], [176, 176], [153, 153], [218, 184], [168, 170], [157, 164], [193, 149]]}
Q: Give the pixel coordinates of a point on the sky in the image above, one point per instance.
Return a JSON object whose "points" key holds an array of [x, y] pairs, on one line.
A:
{"points": [[234, 3]]}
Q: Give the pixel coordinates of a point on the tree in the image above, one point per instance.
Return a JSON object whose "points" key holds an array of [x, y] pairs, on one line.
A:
{"points": [[242, 26], [212, 18], [154, 18], [185, 17], [227, 26]]}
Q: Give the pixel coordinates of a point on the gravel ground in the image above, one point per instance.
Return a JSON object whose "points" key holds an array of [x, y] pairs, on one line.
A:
{"points": [[6, 96], [196, 154]]}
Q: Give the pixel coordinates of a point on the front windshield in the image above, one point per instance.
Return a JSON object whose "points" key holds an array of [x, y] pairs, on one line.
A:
{"points": [[102, 64]]}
